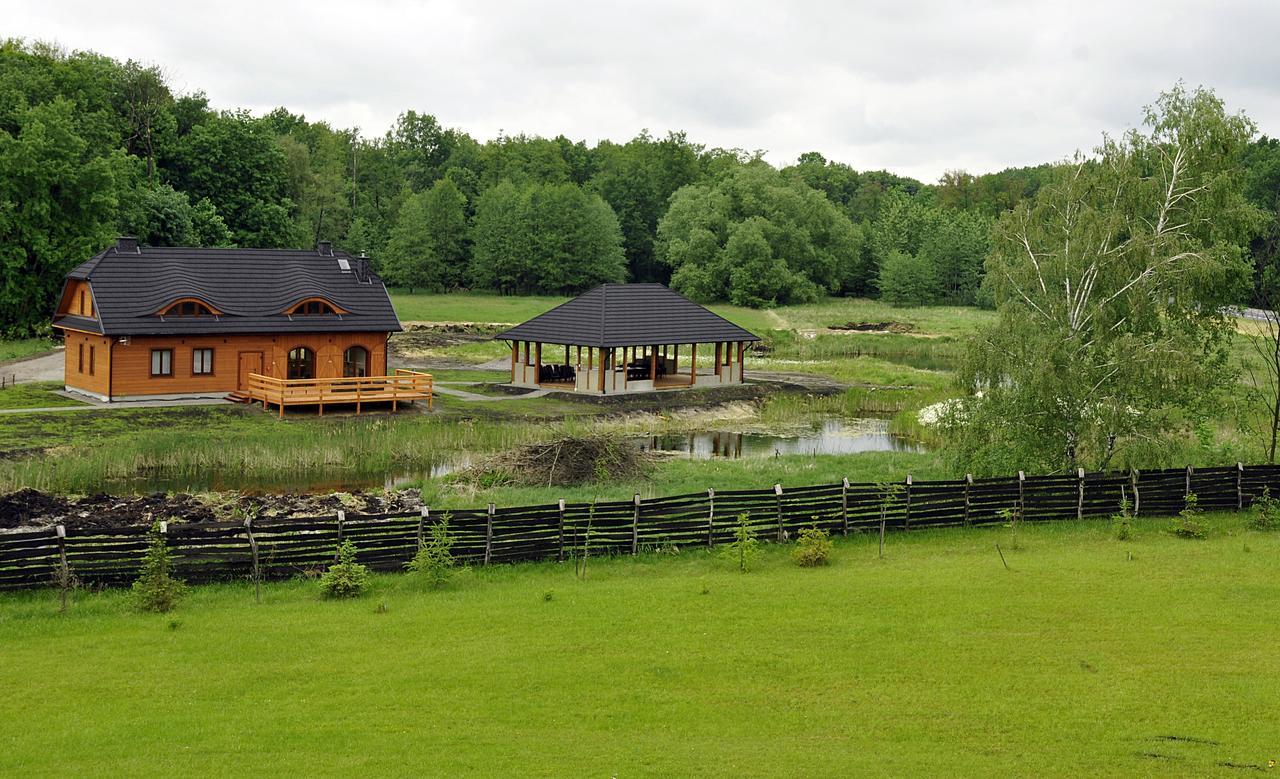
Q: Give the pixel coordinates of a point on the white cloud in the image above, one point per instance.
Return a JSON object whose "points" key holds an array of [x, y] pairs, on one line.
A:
{"points": [[915, 87]]}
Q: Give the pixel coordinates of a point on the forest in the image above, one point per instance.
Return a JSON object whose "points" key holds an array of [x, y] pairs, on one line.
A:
{"points": [[93, 147]]}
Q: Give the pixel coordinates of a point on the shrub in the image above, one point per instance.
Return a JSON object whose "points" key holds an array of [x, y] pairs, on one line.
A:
{"points": [[744, 547], [1189, 523], [156, 589], [1266, 512], [1120, 522], [345, 578], [433, 563], [813, 548], [907, 280]]}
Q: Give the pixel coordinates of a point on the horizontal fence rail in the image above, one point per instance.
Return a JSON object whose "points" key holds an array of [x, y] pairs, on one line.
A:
{"points": [[284, 547]]}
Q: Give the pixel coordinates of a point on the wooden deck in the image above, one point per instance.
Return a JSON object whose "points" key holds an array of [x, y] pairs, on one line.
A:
{"points": [[404, 387]]}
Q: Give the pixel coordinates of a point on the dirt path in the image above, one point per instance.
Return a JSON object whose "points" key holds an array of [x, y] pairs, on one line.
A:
{"points": [[42, 367]]}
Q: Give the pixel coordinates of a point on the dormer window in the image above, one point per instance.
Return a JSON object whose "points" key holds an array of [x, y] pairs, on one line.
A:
{"points": [[188, 307], [314, 307]]}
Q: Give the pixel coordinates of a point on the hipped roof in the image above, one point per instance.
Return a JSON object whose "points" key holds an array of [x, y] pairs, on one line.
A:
{"points": [[613, 315]]}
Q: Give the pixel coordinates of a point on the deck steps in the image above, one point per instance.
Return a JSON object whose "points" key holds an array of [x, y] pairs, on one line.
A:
{"points": [[237, 397]]}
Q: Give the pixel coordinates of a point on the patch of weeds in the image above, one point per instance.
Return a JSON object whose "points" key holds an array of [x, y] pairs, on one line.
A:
{"points": [[156, 589], [813, 548], [745, 547], [433, 564], [346, 578], [1266, 512], [1122, 521], [1190, 523]]}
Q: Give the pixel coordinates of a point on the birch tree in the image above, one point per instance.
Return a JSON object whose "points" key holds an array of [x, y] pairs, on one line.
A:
{"points": [[1110, 288]]}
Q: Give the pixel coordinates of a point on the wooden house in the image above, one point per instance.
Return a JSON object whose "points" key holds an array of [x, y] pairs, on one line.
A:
{"points": [[621, 338], [163, 322]]}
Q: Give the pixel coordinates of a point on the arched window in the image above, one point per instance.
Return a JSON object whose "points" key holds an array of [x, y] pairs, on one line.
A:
{"points": [[188, 307], [355, 361], [312, 307], [302, 363]]}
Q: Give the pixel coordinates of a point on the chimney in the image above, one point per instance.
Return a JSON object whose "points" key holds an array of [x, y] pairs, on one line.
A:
{"points": [[325, 248], [127, 244]]}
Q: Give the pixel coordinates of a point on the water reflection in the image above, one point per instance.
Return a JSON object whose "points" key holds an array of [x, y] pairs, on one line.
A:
{"points": [[833, 436]]}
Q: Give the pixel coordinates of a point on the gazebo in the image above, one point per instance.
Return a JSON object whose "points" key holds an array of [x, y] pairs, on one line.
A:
{"points": [[620, 338]]}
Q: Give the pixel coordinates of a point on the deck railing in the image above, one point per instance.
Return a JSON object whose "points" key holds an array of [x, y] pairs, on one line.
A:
{"points": [[402, 387]]}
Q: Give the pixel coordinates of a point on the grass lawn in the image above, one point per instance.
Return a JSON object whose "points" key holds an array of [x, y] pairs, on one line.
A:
{"points": [[24, 347], [35, 394], [1089, 657]]}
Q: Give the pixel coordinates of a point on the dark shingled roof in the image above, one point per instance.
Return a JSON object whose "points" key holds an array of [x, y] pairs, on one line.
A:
{"points": [[250, 287], [628, 315]]}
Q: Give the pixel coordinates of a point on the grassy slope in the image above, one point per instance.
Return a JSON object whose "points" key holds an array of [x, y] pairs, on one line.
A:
{"points": [[25, 347], [36, 394], [1084, 659]]}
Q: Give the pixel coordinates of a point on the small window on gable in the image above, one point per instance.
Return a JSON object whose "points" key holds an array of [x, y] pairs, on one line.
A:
{"points": [[187, 308], [313, 307]]}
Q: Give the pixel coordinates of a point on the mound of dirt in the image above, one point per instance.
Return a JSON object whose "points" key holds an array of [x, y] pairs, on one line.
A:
{"points": [[565, 462], [25, 506], [875, 327]]}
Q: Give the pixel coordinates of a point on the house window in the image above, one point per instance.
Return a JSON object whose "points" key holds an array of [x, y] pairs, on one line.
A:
{"points": [[161, 362], [187, 308], [81, 302], [80, 365], [201, 361], [302, 363], [355, 361], [311, 308], [91, 351]]}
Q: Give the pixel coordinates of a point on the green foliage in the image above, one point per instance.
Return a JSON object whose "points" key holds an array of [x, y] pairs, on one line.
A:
{"points": [[1266, 512], [545, 238], [346, 578], [1190, 520], [745, 547], [427, 246], [756, 238], [907, 280], [156, 589], [813, 548], [1110, 290], [1122, 521], [433, 564]]}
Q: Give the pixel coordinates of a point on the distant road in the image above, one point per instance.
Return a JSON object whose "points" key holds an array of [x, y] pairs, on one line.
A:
{"points": [[1259, 314]]}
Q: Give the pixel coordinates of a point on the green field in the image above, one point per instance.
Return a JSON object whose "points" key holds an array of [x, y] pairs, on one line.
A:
{"points": [[1087, 657], [25, 347]]}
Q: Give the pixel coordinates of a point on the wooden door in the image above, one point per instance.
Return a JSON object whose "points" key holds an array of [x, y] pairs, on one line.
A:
{"points": [[250, 362]]}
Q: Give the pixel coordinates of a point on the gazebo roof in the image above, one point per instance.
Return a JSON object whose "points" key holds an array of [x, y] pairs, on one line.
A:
{"points": [[628, 315]]}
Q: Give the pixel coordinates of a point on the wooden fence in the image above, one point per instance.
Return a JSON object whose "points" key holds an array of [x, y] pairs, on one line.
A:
{"points": [[276, 548]]}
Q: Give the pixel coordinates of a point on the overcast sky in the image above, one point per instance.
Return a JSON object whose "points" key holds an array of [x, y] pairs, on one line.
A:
{"points": [[914, 87]]}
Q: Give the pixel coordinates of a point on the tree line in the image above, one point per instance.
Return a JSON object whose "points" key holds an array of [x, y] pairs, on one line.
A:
{"points": [[93, 147]]}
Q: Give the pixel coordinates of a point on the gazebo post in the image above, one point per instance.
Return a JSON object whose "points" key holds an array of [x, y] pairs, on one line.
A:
{"points": [[603, 360], [653, 366], [537, 364], [742, 366], [693, 364], [515, 349], [719, 357]]}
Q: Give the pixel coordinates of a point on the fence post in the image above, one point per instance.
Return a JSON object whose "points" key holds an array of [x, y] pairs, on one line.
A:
{"points": [[342, 517], [777, 494], [488, 533], [64, 571], [844, 506], [968, 484], [906, 520], [1080, 493], [711, 516], [560, 554], [423, 513], [253, 551], [1134, 474], [635, 523], [1022, 493], [1239, 486], [1187, 492]]}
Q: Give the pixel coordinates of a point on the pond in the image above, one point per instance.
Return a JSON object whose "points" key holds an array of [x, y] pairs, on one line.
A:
{"points": [[831, 436]]}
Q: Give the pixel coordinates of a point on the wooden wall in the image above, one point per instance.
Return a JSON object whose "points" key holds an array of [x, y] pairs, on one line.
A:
{"points": [[99, 347], [77, 300], [131, 365]]}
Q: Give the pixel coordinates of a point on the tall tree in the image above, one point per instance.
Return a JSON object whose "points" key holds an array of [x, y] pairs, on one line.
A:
{"points": [[1111, 336]]}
